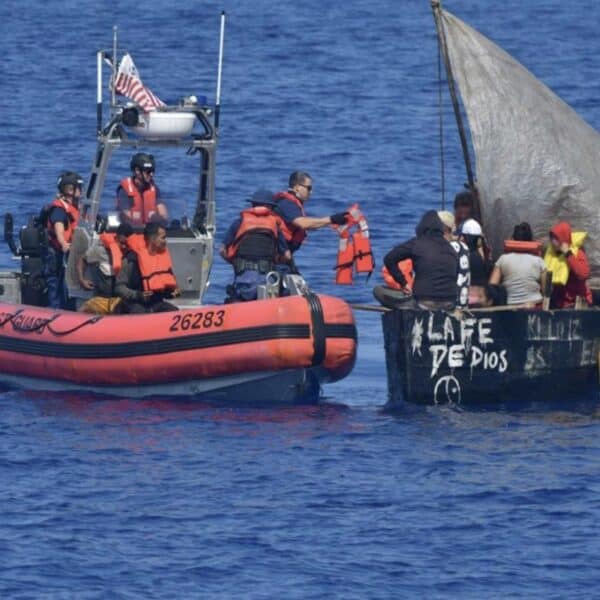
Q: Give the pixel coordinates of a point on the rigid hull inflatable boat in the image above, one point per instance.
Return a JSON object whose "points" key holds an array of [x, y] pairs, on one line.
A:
{"points": [[276, 350], [288, 345]]}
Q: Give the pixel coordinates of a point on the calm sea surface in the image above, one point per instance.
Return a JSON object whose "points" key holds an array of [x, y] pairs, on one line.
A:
{"points": [[129, 499]]}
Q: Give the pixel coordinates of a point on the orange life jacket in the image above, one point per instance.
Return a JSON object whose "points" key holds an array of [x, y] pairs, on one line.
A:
{"points": [[293, 235], [144, 203], [73, 218], [156, 270], [406, 266], [523, 247], [354, 250], [258, 219], [109, 240]]}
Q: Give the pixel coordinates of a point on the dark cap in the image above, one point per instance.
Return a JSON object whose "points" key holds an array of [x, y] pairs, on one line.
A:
{"points": [[262, 198]]}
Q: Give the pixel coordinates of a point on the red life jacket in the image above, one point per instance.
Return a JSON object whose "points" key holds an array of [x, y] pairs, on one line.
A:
{"points": [[144, 203], [293, 235], [73, 218], [156, 270], [406, 266], [109, 240], [258, 219], [534, 248], [354, 250]]}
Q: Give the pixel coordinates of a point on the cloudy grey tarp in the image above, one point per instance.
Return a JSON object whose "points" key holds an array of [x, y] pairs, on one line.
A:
{"points": [[536, 159]]}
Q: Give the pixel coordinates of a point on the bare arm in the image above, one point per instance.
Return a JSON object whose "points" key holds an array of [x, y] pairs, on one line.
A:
{"points": [[311, 222], [59, 231], [83, 282], [161, 209], [496, 276]]}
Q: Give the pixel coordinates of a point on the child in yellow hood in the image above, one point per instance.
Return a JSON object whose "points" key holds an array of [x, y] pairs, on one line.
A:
{"points": [[566, 259]]}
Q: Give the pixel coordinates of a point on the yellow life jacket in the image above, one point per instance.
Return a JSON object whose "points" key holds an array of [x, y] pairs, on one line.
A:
{"points": [[556, 262]]}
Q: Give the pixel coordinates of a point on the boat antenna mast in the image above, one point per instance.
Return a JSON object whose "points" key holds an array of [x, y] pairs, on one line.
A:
{"points": [[436, 6], [219, 71]]}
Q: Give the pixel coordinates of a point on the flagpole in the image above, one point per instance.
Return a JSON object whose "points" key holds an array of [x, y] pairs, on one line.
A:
{"points": [[220, 71], [99, 58], [114, 67]]}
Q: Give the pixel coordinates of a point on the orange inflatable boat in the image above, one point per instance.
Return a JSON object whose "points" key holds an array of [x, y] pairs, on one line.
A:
{"points": [[280, 351]]}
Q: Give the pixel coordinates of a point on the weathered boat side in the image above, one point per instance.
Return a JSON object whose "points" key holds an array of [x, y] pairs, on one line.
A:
{"points": [[490, 355]]}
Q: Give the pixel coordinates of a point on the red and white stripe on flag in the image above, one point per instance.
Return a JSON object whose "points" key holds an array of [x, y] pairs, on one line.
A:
{"points": [[129, 84]]}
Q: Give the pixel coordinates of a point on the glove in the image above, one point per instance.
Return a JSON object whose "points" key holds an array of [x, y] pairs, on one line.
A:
{"points": [[339, 218]]}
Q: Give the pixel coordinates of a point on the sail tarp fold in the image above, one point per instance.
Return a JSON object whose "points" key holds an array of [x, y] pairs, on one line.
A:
{"points": [[536, 159]]}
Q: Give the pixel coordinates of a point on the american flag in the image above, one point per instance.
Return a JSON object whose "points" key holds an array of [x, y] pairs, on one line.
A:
{"points": [[128, 83]]}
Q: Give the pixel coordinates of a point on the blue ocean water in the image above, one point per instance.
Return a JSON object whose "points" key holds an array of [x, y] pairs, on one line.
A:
{"points": [[132, 499]]}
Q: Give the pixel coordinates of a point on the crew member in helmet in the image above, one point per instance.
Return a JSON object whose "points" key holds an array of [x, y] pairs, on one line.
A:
{"points": [[290, 207], [146, 279], [138, 197], [61, 218], [254, 244]]}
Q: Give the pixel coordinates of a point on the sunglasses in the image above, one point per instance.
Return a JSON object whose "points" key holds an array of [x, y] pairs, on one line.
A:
{"points": [[308, 187]]}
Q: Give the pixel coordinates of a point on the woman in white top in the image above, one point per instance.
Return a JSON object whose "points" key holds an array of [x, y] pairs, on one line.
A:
{"points": [[520, 272]]}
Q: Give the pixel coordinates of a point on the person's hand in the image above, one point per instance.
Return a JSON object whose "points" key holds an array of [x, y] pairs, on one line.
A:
{"points": [[406, 290], [86, 284], [176, 293], [564, 247], [339, 218], [65, 247]]}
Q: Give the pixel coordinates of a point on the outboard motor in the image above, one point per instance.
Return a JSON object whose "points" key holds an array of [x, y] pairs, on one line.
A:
{"points": [[33, 240]]}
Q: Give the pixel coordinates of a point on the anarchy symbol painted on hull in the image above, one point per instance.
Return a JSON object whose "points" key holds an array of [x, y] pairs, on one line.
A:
{"points": [[447, 389]]}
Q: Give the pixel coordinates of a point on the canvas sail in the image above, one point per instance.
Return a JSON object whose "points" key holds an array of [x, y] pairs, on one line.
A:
{"points": [[536, 159]]}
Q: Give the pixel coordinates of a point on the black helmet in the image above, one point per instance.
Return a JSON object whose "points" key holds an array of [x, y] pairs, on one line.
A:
{"points": [[68, 178], [142, 161]]}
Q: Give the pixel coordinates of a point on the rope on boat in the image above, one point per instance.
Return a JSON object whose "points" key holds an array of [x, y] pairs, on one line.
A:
{"points": [[90, 321]]}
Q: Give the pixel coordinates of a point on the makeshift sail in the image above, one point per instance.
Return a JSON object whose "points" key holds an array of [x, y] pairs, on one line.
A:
{"points": [[536, 159]]}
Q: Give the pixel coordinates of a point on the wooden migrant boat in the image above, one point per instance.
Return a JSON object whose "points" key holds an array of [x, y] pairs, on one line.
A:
{"points": [[536, 161]]}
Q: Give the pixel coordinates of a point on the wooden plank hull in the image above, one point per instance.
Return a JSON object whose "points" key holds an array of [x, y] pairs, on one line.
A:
{"points": [[489, 355]]}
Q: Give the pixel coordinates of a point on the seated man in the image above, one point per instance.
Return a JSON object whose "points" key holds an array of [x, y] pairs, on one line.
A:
{"points": [[146, 277], [138, 197], [435, 264], [520, 273], [104, 256], [566, 259], [254, 244]]}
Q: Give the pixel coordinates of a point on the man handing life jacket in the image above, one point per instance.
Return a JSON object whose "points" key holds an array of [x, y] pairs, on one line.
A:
{"points": [[254, 244], [290, 207], [354, 251]]}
